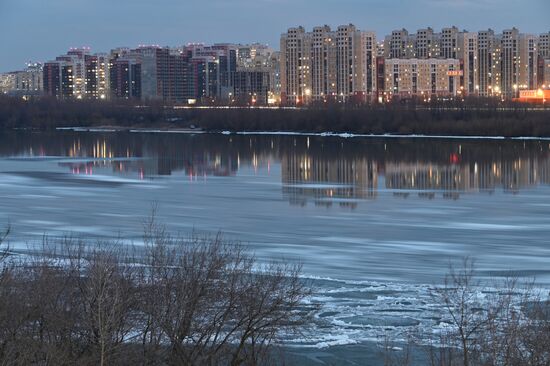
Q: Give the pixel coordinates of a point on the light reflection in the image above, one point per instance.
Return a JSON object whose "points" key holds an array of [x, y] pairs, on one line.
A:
{"points": [[327, 172]]}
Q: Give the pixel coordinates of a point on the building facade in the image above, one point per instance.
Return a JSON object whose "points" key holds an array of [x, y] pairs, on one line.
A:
{"points": [[489, 63], [428, 78], [327, 65]]}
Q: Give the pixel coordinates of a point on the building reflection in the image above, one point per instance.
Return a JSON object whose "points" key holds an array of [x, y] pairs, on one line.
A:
{"points": [[325, 181], [468, 177], [321, 171], [335, 176], [150, 158]]}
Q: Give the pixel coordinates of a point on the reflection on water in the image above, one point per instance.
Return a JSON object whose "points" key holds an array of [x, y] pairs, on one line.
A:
{"points": [[510, 175], [320, 177], [323, 171]]}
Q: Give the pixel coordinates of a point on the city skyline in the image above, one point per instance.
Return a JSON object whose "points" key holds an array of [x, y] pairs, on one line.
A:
{"points": [[176, 23]]}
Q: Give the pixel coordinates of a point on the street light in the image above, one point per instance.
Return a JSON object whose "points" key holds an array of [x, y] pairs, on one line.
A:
{"points": [[307, 93]]}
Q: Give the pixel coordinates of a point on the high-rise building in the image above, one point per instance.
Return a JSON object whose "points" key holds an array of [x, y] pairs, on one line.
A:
{"points": [[489, 63], [468, 56], [65, 77], [125, 78], [253, 55], [510, 62], [544, 45], [220, 72], [251, 86], [399, 44], [295, 66], [257, 60], [97, 76], [528, 61], [325, 64], [147, 56], [203, 78], [425, 45], [52, 78], [449, 43], [519, 62], [544, 61], [355, 62], [76, 62], [58, 79], [227, 65], [546, 74], [275, 78]]}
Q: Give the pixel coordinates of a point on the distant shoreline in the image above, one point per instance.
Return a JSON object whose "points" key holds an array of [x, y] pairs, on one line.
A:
{"points": [[292, 133], [473, 119]]}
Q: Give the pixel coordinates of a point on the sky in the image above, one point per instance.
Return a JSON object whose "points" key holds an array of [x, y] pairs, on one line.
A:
{"points": [[39, 30]]}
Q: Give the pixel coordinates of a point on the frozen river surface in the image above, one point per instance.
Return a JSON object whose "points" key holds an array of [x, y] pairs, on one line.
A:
{"points": [[374, 221]]}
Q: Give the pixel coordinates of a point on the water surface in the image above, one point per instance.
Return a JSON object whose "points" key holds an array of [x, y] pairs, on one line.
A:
{"points": [[375, 221]]}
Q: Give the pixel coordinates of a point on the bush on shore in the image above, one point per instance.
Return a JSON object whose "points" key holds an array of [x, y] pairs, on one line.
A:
{"points": [[195, 301]]}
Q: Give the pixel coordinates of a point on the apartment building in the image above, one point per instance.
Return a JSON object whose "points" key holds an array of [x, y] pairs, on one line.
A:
{"points": [[97, 85], [327, 65], [296, 80], [426, 78], [399, 44], [489, 63]]}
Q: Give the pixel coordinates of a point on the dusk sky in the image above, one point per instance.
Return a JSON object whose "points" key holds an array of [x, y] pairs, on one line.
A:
{"points": [[39, 30]]}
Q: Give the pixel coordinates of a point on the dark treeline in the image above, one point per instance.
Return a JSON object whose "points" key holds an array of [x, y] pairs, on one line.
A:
{"points": [[198, 301], [474, 116]]}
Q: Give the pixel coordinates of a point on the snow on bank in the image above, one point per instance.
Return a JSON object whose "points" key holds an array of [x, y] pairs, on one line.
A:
{"points": [[293, 133]]}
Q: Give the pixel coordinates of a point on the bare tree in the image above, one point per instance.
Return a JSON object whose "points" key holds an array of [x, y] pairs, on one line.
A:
{"points": [[396, 353], [212, 304], [459, 297], [199, 300], [499, 322]]}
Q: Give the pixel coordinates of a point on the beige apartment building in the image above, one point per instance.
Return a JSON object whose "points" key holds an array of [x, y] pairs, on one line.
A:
{"points": [[400, 44], [327, 65], [324, 53], [489, 63], [528, 54], [295, 65], [450, 43], [422, 77], [510, 62]]}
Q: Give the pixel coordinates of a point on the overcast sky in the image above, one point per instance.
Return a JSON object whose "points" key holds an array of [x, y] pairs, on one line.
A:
{"points": [[38, 30]]}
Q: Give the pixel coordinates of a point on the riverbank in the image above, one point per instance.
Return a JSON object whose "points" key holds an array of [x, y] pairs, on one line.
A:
{"points": [[472, 118]]}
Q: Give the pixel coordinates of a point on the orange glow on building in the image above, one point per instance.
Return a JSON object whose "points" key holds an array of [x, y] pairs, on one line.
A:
{"points": [[534, 96]]}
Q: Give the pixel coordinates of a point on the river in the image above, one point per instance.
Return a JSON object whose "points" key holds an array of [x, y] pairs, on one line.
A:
{"points": [[375, 221]]}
